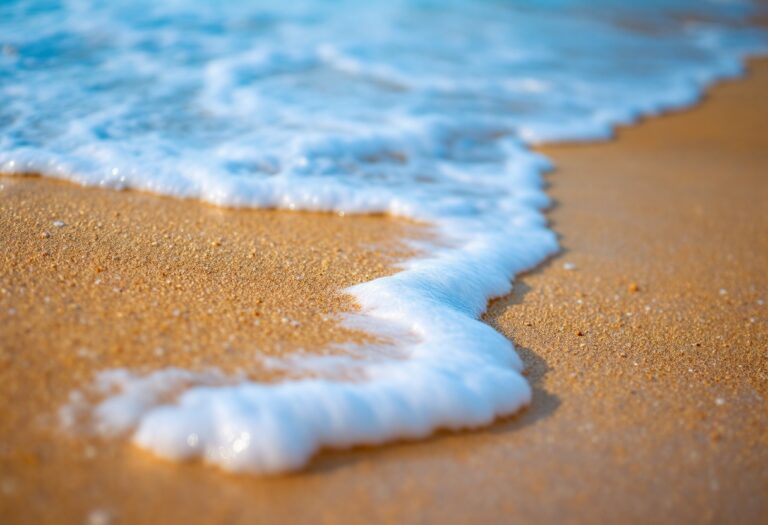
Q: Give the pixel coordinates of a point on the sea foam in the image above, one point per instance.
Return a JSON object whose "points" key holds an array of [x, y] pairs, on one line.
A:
{"points": [[419, 109]]}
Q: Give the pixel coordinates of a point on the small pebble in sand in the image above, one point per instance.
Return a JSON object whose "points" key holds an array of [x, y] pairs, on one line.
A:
{"points": [[719, 401], [59, 224], [760, 302], [569, 266], [8, 487], [633, 288], [100, 517], [45, 235], [579, 333], [723, 291]]}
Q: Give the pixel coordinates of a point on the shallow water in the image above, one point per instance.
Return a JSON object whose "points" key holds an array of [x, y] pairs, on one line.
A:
{"points": [[415, 108]]}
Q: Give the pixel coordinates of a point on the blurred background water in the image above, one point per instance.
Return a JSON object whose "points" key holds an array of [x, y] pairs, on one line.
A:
{"points": [[347, 105]]}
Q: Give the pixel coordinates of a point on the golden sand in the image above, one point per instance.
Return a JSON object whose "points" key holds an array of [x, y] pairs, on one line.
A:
{"points": [[131, 279], [97, 279], [645, 339]]}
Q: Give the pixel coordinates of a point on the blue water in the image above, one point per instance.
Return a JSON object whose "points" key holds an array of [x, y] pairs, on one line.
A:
{"points": [[226, 101]]}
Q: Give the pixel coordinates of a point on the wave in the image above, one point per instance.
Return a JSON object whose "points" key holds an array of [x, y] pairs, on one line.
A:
{"points": [[414, 108]]}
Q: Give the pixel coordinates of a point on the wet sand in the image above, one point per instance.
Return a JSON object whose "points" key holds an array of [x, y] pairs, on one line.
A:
{"points": [[646, 342]]}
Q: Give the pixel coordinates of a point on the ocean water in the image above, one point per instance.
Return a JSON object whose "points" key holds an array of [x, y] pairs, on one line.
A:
{"points": [[417, 108]]}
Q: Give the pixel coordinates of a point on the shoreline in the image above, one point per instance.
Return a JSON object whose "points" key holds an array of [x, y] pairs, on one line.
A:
{"points": [[651, 352], [530, 465]]}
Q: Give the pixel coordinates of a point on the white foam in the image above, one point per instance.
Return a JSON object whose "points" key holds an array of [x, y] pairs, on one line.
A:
{"points": [[409, 108]]}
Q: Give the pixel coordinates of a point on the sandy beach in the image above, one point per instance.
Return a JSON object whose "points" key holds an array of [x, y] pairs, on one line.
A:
{"points": [[645, 341]]}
